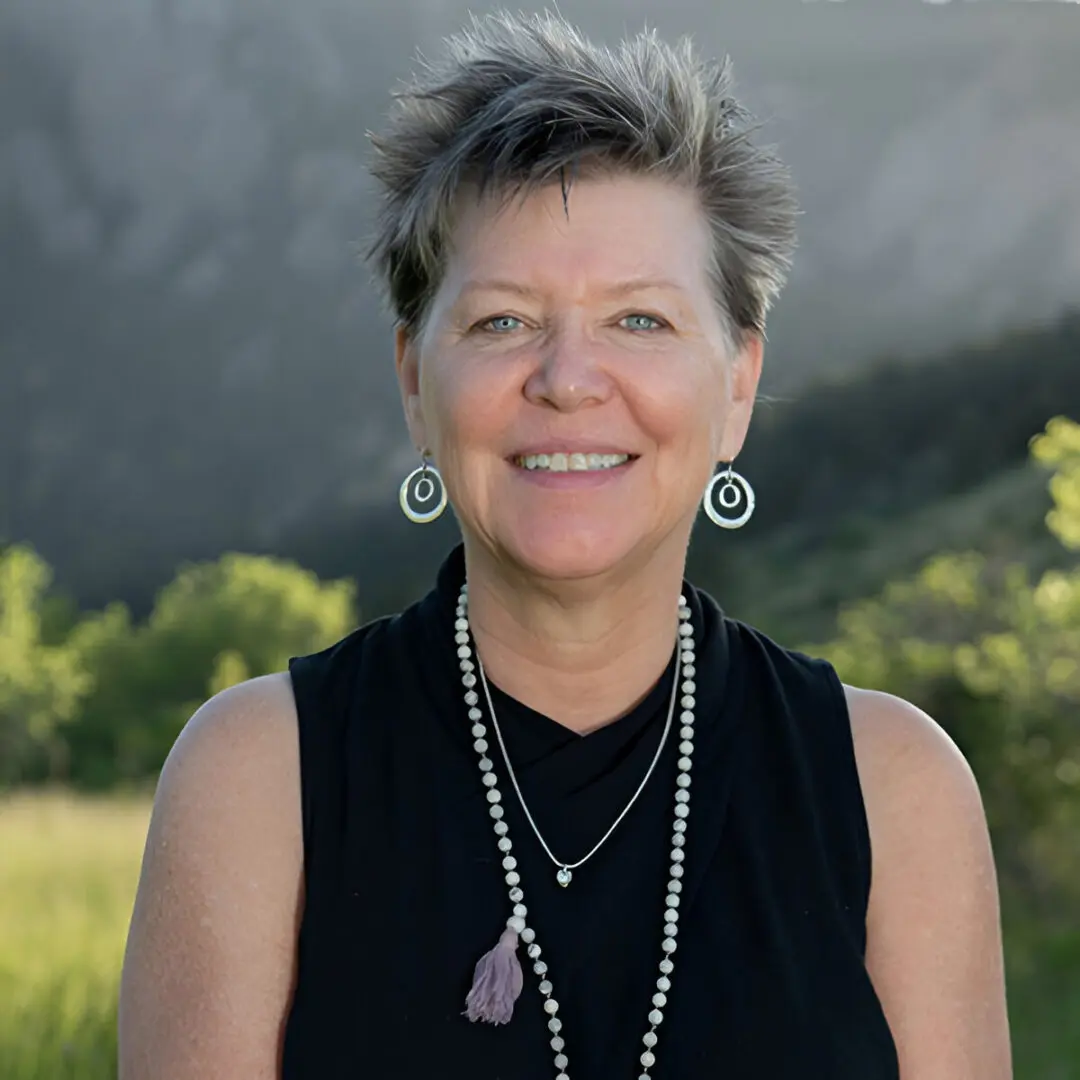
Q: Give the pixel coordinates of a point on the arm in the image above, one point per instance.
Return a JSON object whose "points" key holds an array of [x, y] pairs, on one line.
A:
{"points": [[209, 965], [934, 949]]}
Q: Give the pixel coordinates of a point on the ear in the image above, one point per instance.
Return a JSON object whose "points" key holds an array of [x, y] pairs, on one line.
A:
{"points": [[744, 378], [407, 362]]}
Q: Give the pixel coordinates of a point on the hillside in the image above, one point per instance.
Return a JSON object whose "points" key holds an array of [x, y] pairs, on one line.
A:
{"points": [[191, 359]]}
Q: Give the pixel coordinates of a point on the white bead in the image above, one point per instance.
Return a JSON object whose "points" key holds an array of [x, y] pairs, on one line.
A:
{"points": [[501, 828], [493, 795], [684, 764], [504, 843], [681, 809], [686, 732], [677, 856], [648, 1059], [521, 909], [688, 670], [464, 652], [555, 1024], [667, 966], [688, 686], [516, 895], [685, 631], [656, 1017], [561, 1076], [462, 637], [649, 1038], [486, 765], [686, 747], [561, 1061], [469, 679], [672, 900], [516, 924], [668, 945], [671, 929], [687, 717], [674, 886], [478, 730], [540, 967], [480, 746], [671, 915], [686, 701], [676, 870], [682, 796], [495, 811], [679, 826], [557, 1043], [461, 624], [678, 839], [663, 983], [490, 779], [471, 698], [528, 934], [545, 989], [513, 878], [509, 863], [534, 951], [683, 780]]}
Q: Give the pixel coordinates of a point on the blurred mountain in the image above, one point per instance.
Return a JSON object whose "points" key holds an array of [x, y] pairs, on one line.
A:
{"points": [[191, 358]]}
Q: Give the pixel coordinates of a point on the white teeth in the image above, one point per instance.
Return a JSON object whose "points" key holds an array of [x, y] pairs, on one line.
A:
{"points": [[575, 462]]}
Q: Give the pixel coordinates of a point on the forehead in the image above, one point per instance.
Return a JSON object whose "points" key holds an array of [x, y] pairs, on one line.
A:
{"points": [[605, 229]]}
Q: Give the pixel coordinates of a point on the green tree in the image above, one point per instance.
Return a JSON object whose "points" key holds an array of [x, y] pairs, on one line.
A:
{"points": [[995, 658], [215, 624], [40, 684]]}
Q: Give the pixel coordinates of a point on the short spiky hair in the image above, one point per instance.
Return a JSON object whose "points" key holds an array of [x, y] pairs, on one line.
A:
{"points": [[519, 101]]}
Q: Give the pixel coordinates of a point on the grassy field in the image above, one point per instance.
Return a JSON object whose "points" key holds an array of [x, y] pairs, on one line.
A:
{"points": [[68, 872]]}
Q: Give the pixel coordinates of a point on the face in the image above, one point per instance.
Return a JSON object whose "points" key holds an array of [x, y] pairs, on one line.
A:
{"points": [[590, 329]]}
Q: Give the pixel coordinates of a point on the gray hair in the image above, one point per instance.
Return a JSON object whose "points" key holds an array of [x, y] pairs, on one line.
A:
{"points": [[520, 101]]}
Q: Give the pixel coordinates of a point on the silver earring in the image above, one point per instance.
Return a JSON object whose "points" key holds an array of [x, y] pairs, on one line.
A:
{"points": [[418, 489], [734, 492]]}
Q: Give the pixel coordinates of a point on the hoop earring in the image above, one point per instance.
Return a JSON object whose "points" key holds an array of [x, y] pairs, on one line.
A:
{"points": [[734, 490], [412, 495]]}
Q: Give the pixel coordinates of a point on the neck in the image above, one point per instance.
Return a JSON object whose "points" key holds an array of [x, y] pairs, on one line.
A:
{"points": [[582, 652]]}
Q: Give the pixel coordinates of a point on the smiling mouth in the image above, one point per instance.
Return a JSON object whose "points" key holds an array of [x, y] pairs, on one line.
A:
{"points": [[560, 462]]}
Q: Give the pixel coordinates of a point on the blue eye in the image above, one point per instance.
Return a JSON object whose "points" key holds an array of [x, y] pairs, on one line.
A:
{"points": [[641, 322], [501, 324]]}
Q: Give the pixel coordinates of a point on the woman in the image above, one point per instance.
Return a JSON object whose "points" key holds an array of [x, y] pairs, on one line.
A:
{"points": [[569, 820]]}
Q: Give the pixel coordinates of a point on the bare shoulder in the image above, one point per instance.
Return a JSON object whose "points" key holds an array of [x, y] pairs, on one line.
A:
{"points": [[934, 950], [209, 966]]}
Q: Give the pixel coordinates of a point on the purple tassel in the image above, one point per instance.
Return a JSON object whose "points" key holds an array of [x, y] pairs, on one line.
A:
{"points": [[497, 982]]}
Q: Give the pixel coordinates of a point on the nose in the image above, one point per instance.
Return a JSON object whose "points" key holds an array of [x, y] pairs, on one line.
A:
{"points": [[567, 375]]}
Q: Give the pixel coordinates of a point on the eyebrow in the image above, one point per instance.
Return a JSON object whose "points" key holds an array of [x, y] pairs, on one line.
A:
{"points": [[620, 288]]}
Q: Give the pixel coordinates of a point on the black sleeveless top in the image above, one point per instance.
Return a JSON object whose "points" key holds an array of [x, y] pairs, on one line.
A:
{"points": [[405, 889]]}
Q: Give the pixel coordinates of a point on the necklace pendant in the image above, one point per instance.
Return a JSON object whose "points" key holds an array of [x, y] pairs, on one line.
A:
{"points": [[564, 877]]}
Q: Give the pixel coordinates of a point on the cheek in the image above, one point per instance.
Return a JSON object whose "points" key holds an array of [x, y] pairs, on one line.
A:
{"points": [[467, 410], [687, 414]]}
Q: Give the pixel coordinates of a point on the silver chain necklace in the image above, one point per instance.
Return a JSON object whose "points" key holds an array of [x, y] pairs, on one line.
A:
{"points": [[498, 977], [564, 874]]}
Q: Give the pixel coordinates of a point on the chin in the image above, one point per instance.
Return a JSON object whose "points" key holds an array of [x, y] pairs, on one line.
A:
{"points": [[569, 553]]}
